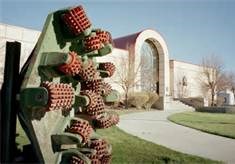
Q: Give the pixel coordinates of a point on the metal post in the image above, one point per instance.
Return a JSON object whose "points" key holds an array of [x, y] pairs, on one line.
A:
{"points": [[9, 106]]}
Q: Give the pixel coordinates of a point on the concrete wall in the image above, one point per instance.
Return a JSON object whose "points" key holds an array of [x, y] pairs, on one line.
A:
{"points": [[27, 38], [194, 77]]}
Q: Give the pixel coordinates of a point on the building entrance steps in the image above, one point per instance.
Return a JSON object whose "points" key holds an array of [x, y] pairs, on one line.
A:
{"points": [[171, 104]]}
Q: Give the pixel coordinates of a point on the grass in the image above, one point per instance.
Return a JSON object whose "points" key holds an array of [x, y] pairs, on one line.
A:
{"points": [[131, 149], [21, 138], [218, 124]]}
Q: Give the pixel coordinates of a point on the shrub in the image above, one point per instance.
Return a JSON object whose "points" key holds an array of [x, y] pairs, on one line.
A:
{"points": [[221, 109], [142, 99], [152, 98], [138, 99]]}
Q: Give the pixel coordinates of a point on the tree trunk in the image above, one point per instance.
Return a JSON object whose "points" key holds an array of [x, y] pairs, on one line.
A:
{"points": [[126, 100], [212, 98]]}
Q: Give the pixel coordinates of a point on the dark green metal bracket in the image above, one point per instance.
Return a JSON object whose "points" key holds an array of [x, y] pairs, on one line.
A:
{"points": [[34, 97], [54, 59]]}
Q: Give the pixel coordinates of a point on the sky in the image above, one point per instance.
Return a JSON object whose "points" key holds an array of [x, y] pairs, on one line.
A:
{"points": [[192, 29]]}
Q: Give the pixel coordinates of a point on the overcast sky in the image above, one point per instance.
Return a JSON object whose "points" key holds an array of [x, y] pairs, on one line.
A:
{"points": [[191, 28]]}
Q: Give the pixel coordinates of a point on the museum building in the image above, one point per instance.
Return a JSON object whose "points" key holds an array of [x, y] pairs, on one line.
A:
{"points": [[170, 79]]}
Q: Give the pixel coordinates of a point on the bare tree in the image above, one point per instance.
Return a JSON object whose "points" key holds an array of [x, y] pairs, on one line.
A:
{"points": [[128, 74], [214, 78]]}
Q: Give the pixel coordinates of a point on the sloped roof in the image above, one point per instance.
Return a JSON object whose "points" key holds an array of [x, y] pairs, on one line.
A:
{"points": [[124, 41]]}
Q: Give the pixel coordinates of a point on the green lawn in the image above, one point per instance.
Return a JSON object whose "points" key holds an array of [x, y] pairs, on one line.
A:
{"points": [[219, 124], [131, 149], [21, 138]]}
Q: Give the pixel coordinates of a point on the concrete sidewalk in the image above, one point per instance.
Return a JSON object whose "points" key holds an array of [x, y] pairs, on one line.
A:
{"points": [[154, 126]]}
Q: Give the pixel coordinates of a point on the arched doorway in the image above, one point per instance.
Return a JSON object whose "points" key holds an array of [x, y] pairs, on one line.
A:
{"points": [[149, 67], [155, 40], [157, 55]]}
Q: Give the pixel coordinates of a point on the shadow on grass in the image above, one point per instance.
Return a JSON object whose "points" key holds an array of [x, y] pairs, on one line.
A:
{"points": [[131, 149]]}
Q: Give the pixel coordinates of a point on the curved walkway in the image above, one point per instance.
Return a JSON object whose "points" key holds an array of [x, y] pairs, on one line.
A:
{"points": [[154, 126]]}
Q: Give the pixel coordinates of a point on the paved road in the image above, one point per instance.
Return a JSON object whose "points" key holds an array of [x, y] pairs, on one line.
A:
{"points": [[154, 126]]}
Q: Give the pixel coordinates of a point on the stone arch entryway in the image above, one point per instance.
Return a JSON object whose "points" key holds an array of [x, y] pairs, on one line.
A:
{"points": [[157, 45], [161, 66]]}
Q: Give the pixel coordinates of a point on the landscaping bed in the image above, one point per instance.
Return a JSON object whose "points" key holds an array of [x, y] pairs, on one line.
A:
{"points": [[222, 109]]}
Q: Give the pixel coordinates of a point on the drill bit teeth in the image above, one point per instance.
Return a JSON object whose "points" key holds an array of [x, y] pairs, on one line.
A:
{"points": [[61, 96], [93, 85], [106, 88], [73, 67], [104, 36], [88, 71], [101, 147], [76, 20], [106, 159], [106, 121], [82, 128], [94, 159], [76, 160], [92, 43], [108, 66], [96, 104]]}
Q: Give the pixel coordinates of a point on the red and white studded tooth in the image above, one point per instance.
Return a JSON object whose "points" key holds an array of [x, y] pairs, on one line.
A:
{"points": [[106, 88], [101, 146], [94, 159], [92, 43], [73, 67], [88, 71], [104, 36], [107, 121], [93, 85], [76, 160], [56, 93], [108, 66], [81, 127], [106, 159], [96, 103], [76, 20]]}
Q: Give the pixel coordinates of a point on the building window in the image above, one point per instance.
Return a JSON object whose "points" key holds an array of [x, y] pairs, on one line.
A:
{"points": [[184, 81], [149, 67]]}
